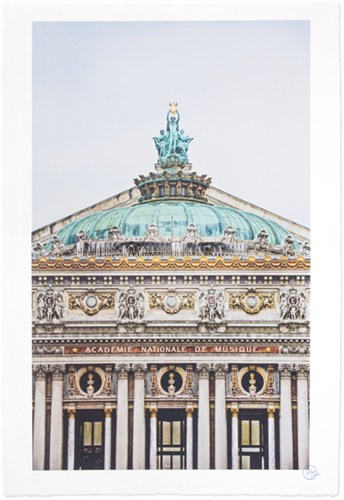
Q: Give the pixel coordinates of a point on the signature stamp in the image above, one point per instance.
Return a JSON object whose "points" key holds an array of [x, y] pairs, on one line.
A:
{"points": [[309, 472]]}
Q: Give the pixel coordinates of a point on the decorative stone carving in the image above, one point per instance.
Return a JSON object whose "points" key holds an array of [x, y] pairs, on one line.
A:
{"points": [[172, 301], [90, 384], [305, 250], [220, 370], [108, 379], [191, 234], [49, 305], [261, 242], [57, 371], [211, 306], [285, 370], [203, 370], [139, 370], [72, 381], [252, 389], [251, 302], [293, 305], [189, 380], [122, 370], [152, 234], [153, 380], [294, 349], [38, 250], [91, 302], [83, 236], [287, 247], [302, 371], [234, 380], [228, 235], [47, 350], [271, 380], [171, 387], [40, 371], [115, 234], [131, 305]]}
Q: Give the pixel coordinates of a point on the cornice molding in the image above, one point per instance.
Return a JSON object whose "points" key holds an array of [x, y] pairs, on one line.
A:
{"points": [[172, 263]]}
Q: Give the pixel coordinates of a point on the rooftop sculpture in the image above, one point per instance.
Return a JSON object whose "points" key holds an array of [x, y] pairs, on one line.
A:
{"points": [[172, 145]]}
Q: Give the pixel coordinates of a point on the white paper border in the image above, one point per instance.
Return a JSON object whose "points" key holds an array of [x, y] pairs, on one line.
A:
{"points": [[325, 334]]}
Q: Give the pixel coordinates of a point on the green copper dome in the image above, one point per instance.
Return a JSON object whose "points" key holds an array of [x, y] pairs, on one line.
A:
{"points": [[210, 221]]}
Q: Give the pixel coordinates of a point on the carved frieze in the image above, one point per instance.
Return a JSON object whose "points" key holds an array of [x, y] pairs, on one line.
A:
{"points": [[171, 302], [49, 305], [251, 302], [91, 302], [211, 306], [131, 305], [293, 305]]}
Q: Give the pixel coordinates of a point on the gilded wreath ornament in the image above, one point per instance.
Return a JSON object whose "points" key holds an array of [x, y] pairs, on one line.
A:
{"points": [[171, 302], [251, 302], [91, 302]]}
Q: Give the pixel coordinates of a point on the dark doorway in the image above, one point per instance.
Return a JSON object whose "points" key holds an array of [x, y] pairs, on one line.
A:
{"points": [[89, 440], [253, 443], [171, 439]]}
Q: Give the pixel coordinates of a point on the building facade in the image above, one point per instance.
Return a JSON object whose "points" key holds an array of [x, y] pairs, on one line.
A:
{"points": [[171, 329]]}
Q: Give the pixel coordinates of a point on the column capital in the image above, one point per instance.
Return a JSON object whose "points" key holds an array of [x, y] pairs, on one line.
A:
{"points": [[71, 412], [40, 371], [235, 412], [220, 370], [189, 412], [57, 371], [108, 412], [139, 370], [302, 371], [153, 412], [271, 412], [285, 370], [122, 370], [203, 370]]}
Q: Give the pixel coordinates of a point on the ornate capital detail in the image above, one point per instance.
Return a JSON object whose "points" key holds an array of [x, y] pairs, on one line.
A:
{"points": [[251, 302], [235, 412], [271, 412], [57, 371], [302, 371], [108, 412], [122, 370], [203, 370], [71, 413], [139, 370], [91, 302], [40, 371], [189, 412], [171, 302], [285, 371], [220, 370], [153, 412]]}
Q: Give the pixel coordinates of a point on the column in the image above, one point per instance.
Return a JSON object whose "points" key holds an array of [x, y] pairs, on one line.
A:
{"points": [[56, 429], [71, 439], [139, 431], [302, 416], [122, 417], [153, 443], [107, 439], [39, 417], [235, 439], [203, 451], [189, 439], [220, 417], [271, 438], [286, 430]]}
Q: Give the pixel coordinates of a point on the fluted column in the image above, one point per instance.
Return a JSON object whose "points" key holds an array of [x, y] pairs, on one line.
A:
{"points": [[235, 438], [71, 439], [153, 442], [56, 429], [220, 417], [302, 416], [139, 432], [271, 438], [39, 417], [189, 439], [286, 430], [122, 417], [203, 417], [107, 439]]}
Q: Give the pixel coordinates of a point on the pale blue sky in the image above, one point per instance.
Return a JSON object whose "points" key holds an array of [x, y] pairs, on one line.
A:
{"points": [[101, 92]]}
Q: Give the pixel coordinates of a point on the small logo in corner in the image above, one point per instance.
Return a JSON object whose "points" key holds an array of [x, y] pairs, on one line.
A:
{"points": [[309, 472]]}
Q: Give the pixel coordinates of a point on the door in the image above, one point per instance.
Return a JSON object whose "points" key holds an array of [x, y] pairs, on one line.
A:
{"points": [[171, 439], [89, 453], [253, 440]]}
